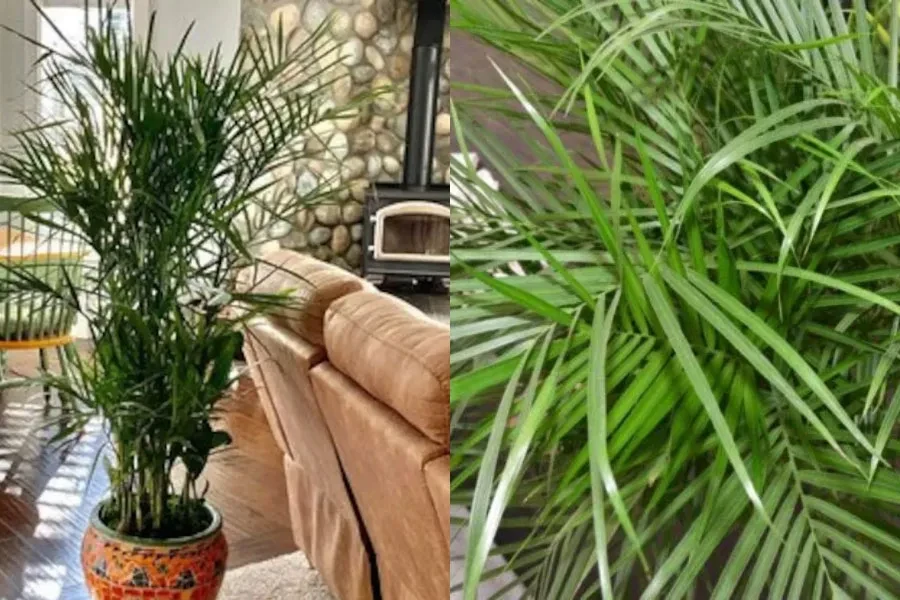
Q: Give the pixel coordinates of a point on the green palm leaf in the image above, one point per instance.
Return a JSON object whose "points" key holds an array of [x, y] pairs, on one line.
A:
{"points": [[714, 218]]}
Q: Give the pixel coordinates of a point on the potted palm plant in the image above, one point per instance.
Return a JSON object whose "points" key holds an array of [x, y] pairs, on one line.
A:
{"points": [[155, 171], [676, 322]]}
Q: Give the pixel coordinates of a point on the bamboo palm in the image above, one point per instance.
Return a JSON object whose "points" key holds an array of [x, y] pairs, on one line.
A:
{"points": [[154, 172], [675, 329]]}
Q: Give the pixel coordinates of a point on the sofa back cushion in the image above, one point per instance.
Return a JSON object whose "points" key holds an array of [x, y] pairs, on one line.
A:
{"points": [[437, 476], [323, 518], [312, 286], [395, 353], [385, 458]]}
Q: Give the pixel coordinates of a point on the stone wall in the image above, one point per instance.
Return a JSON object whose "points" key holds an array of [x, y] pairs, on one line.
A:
{"points": [[374, 40]]}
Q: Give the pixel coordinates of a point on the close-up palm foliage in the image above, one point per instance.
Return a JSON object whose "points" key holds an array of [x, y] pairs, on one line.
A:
{"points": [[676, 326], [153, 172]]}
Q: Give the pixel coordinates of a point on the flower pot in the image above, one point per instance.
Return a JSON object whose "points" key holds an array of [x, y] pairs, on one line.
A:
{"points": [[126, 568]]}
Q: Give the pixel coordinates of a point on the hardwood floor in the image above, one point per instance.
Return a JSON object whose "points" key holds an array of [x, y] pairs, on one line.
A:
{"points": [[46, 496], [435, 305]]}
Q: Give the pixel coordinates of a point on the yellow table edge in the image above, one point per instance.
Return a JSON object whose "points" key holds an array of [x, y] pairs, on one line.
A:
{"points": [[38, 344]]}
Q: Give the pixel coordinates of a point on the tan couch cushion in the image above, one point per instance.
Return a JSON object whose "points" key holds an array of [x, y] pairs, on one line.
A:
{"points": [[313, 285], [437, 476], [397, 354], [385, 458], [330, 538]]}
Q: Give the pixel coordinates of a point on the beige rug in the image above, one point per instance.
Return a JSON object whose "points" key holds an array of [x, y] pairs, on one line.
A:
{"points": [[288, 577]]}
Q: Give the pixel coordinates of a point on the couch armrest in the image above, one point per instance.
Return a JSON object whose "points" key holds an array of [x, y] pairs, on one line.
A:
{"points": [[309, 286]]}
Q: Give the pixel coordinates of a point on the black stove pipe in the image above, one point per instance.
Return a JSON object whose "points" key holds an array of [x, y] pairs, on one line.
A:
{"points": [[424, 89]]}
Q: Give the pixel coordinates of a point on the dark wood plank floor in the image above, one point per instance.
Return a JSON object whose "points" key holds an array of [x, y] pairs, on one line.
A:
{"points": [[434, 304], [46, 497]]}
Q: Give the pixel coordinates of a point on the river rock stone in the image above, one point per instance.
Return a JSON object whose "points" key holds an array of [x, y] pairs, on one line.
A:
{"points": [[315, 14], [341, 25], [402, 102], [320, 236], [328, 214], [339, 261], [443, 125], [297, 38], [331, 177], [340, 239], [363, 141], [373, 166], [362, 73], [386, 142], [352, 212], [352, 52], [327, 51], [398, 67], [268, 247], [306, 183], [391, 165], [279, 229], [399, 126], [358, 190], [365, 25], [316, 167], [298, 144], [385, 10], [405, 19], [323, 253], [354, 255], [348, 120], [385, 101], [356, 232], [406, 42], [287, 16], [339, 146], [385, 42], [304, 220], [354, 168], [374, 57], [342, 86], [297, 240], [324, 129], [314, 145]]}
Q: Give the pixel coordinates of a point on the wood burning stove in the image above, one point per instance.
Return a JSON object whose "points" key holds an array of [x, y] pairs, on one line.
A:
{"points": [[407, 225]]}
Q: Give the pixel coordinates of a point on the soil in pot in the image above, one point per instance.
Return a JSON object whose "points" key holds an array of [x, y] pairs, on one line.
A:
{"points": [[187, 521]]}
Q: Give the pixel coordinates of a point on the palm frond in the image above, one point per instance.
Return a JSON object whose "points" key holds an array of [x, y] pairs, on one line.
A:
{"points": [[728, 172]]}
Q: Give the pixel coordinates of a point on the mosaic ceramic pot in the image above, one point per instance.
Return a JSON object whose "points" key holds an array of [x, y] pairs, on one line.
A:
{"points": [[127, 568]]}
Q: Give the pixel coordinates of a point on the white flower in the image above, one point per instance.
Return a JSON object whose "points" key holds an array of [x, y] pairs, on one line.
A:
{"points": [[204, 295]]}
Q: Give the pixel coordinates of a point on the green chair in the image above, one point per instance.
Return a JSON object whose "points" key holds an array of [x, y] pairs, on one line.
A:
{"points": [[36, 259]]}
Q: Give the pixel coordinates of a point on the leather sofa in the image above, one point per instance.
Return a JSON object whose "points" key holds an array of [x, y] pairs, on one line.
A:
{"points": [[355, 386]]}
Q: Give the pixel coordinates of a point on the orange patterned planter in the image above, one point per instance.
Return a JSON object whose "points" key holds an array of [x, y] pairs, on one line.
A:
{"points": [[119, 567]]}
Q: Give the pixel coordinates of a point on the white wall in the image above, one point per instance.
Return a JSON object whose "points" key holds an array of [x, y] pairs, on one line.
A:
{"points": [[16, 61], [215, 22], [2, 54]]}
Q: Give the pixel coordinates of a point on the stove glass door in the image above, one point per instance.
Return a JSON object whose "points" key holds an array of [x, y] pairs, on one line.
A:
{"points": [[413, 231]]}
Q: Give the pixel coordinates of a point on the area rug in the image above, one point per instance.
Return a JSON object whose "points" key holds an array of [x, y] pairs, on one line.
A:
{"points": [[288, 577]]}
